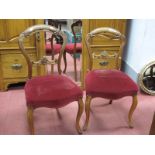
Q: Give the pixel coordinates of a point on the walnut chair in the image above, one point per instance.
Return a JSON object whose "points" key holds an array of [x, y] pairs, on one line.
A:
{"points": [[108, 81], [53, 48], [75, 47], [50, 46], [51, 91]]}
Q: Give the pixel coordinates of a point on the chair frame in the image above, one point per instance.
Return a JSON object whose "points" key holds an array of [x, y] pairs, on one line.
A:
{"points": [[110, 34], [51, 39], [43, 61], [77, 23], [104, 32]]}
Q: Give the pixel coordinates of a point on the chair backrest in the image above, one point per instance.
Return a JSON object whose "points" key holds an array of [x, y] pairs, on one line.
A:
{"points": [[105, 47], [36, 29], [57, 23], [76, 30]]}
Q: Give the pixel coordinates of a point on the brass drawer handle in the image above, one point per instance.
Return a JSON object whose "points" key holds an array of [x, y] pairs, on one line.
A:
{"points": [[104, 63], [104, 54], [16, 66]]}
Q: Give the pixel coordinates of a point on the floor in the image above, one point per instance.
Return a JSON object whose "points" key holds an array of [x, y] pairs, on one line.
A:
{"points": [[105, 119]]}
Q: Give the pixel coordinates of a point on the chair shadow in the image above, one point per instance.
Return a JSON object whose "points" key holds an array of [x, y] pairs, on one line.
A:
{"points": [[59, 114], [100, 105], [98, 120]]}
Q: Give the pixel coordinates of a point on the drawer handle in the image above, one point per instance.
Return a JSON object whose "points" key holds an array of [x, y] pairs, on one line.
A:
{"points": [[104, 63], [104, 54], [16, 66]]}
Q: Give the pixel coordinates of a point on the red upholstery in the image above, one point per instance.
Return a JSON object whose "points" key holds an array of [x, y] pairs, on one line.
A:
{"points": [[56, 48], [53, 91], [110, 84], [70, 48]]}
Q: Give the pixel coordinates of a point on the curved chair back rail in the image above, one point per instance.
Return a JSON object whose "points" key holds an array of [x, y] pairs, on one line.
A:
{"points": [[106, 30], [43, 61], [104, 33], [75, 24]]}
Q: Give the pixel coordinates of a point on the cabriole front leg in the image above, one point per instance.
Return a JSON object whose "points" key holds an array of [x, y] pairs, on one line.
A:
{"points": [[65, 61], [30, 119], [87, 111], [75, 67], [132, 109], [79, 114]]}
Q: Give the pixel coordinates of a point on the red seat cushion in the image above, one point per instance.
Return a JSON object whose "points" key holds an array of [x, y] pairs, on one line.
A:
{"points": [[53, 91], [70, 48], [110, 84], [56, 48]]}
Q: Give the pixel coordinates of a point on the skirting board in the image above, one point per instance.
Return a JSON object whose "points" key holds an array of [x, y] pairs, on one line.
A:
{"points": [[130, 71]]}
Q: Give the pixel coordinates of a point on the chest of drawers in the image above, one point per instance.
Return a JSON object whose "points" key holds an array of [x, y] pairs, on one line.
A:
{"points": [[13, 66]]}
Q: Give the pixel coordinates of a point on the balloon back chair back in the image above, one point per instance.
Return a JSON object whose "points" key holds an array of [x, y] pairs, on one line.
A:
{"points": [[56, 40], [105, 45], [51, 91], [104, 78], [76, 45], [53, 47]]}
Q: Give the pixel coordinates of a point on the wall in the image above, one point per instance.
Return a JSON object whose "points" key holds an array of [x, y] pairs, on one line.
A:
{"points": [[140, 47]]}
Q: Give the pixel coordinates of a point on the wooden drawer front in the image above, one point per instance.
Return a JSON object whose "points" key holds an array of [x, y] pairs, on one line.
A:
{"points": [[108, 61], [15, 66], [104, 64]]}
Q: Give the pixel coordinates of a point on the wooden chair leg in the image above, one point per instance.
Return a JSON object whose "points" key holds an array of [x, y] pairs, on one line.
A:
{"points": [[133, 107], [30, 119], [65, 61], [52, 65], [87, 111], [52, 69], [75, 67], [79, 114], [110, 102]]}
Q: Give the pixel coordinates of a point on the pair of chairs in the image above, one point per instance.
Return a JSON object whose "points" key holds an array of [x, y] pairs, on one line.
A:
{"points": [[56, 91], [71, 48]]}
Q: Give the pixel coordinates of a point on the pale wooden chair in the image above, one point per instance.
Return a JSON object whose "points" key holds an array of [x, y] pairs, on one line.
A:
{"points": [[107, 81], [51, 91], [74, 48]]}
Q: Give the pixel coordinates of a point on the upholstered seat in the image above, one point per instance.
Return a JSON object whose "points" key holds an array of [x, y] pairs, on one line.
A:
{"points": [[110, 84], [53, 91], [70, 48], [56, 48]]}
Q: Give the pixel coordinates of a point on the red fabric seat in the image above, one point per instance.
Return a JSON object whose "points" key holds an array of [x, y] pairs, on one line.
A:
{"points": [[53, 91], [110, 84], [70, 48], [56, 48]]}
